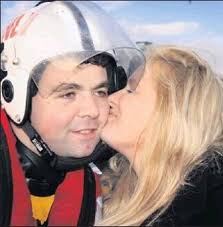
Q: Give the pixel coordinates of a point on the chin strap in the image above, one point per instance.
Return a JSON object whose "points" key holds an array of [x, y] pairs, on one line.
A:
{"points": [[42, 180], [57, 162], [37, 141]]}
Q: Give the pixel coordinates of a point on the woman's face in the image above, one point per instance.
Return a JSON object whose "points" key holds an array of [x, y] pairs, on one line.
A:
{"points": [[129, 115]]}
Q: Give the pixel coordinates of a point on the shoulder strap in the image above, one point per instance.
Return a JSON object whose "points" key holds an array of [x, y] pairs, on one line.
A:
{"points": [[88, 208]]}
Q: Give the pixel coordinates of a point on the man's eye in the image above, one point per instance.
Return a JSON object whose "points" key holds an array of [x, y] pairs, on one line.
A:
{"points": [[102, 93], [68, 95]]}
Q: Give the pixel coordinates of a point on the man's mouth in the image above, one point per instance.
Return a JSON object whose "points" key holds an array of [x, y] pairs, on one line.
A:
{"points": [[85, 133]]}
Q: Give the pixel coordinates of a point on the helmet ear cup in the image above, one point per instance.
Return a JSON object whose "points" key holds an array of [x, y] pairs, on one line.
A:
{"points": [[15, 96], [7, 90]]}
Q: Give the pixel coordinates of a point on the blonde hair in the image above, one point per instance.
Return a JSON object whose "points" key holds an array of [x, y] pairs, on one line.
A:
{"points": [[187, 125]]}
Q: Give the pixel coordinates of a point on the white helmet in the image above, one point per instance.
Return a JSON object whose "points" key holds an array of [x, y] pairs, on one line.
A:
{"points": [[79, 29]]}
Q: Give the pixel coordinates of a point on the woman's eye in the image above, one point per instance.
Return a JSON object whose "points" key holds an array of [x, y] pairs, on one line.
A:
{"points": [[129, 90], [102, 93]]}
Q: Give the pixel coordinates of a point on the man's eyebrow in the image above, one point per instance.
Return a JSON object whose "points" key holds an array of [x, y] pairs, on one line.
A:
{"points": [[66, 86], [101, 85]]}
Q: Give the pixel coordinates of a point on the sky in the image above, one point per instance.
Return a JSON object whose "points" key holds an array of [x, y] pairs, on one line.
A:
{"points": [[194, 24]]}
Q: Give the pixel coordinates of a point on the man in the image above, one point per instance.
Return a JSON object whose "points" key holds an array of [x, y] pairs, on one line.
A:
{"points": [[59, 63]]}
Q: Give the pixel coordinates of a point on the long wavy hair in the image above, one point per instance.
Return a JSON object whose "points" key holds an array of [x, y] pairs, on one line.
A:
{"points": [[187, 125]]}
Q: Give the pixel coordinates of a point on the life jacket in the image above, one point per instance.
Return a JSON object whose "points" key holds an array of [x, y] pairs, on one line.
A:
{"points": [[15, 203]]}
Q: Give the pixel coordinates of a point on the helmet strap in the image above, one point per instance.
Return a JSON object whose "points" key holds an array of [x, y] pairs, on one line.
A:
{"points": [[57, 162], [37, 141]]}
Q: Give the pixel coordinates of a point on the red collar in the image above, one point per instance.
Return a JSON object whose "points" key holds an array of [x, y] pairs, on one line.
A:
{"points": [[68, 198]]}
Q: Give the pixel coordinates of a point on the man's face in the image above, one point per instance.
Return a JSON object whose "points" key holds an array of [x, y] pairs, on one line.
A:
{"points": [[70, 118]]}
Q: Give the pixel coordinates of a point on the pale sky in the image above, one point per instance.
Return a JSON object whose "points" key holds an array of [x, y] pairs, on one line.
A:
{"points": [[195, 24]]}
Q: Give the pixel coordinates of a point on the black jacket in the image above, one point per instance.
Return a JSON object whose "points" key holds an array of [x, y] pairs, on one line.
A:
{"points": [[201, 203]]}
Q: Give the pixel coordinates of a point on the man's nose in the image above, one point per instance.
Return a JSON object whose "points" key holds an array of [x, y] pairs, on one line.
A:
{"points": [[89, 107]]}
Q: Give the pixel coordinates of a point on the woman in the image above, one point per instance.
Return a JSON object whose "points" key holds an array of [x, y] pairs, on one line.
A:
{"points": [[169, 132]]}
